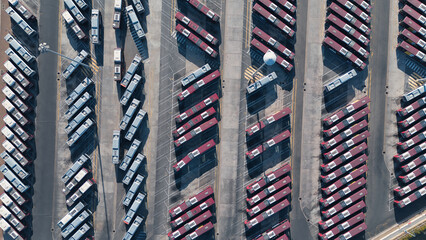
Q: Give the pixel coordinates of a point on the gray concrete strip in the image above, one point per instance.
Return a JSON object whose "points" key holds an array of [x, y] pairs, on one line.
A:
{"points": [[311, 126], [228, 155], [396, 231], [152, 86], [109, 192]]}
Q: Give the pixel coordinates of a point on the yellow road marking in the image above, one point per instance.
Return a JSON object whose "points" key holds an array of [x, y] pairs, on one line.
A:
{"points": [[248, 23], [248, 74], [416, 75], [172, 16]]}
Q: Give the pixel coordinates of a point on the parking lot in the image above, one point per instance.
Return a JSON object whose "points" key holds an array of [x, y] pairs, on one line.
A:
{"points": [[216, 149]]}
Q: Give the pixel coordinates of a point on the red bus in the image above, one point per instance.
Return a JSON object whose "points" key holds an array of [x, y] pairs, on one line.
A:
{"points": [[192, 213], [203, 127], [278, 23], [344, 180], [274, 43], [193, 201], [197, 41], [188, 158], [344, 52], [351, 19], [268, 202], [411, 51], [419, 6], [256, 43], [364, 5], [196, 28], [342, 193], [266, 192], [414, 26], [353, 232], [342, 227], [193, 122], [413, 197], [184, 229], [349, 143], [351, 7], [198, 107], [414, 14], [344, 158], [414, 129], [344, 135], [347, 28], [200, 231], [287, 4], [262, 182], [339, 172], [347, 122], [416, 116], [345, 203], [413, 141], [348, 41], [276, 231], [266, 145], [412, 37], [412, 107], [339, 217], [410, 153], [269, 119], [410, 187], [194, 87], [266, 214], [415, 163], [274, 8], [414, 174], [205, 10]]}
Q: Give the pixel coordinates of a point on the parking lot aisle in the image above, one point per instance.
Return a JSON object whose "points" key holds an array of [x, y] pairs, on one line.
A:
{"points": [[152, 86], [109, 192], [228, 155], [45, 125], [311, 127], [378, 214]]}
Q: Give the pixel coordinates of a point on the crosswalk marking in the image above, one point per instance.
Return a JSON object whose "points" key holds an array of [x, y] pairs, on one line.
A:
{"points": [[248, 73]]}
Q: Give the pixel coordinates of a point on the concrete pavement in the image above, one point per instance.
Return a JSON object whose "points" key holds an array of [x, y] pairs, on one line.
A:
{"points": [[228, 155], [398, 230]]}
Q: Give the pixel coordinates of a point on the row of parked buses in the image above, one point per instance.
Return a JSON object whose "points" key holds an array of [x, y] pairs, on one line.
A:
{"points": [[411, 157], [344, 171], [282, 15], [413, 34], [18, 78], [347, 31]]}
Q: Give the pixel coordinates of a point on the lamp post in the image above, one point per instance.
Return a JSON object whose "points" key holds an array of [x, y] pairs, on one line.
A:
{"points": [[43, 48], [269, 59]]}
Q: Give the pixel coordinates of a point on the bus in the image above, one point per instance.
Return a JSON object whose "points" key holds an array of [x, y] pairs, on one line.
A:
{"points": [[20, 21], [19, 48], [413, 175], [134, 208], [197, 41], [352, 107], [345, 203], [411, 51], [260, 183], [342, 193], [351, 19], [348, 41], [414, 118], [200, 83], [133, 168], [411, 198], [344, 158], [346, 168], [413, 37], [193, 122], [134, 65], [75, 11], [410, 187], [193, 201], [117, 14], [80, 192], [414, 14], [192, 224], [266, 214], [71, 214], [345, 180], [348, 29], [415, 27], [344, 146], [342, 227], [415, 163], [339, 217], [79, 132], [266, 145], [344, 52], [197, 152], [347, 122], [77, 120], [268, 191], [196, 28], [15, 86], [78, 91], [198, 107], [205, 10], [19, 62], [281, 61], [115, 147], [192, 213], [129, 114], [415, 93], [351, 7], [259, 208], [73, 109], [340, 80], [363, 4], [267, 121], [274, 43], [11, 69], [73, 25], [261, 82], [419, 6], [199, 231], [134, 21], [203, 127], [133, 189], [412, 141], [287, 4], [195, 74], [282, 14], [414, 129], [130, 89], [135, 125], [75, 181], [404, 112], [274, 20], [275, 231], [75, 168]]}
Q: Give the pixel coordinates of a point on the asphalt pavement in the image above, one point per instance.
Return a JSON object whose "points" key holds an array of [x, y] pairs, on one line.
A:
{"points": [[45, 123], [378, 214]]}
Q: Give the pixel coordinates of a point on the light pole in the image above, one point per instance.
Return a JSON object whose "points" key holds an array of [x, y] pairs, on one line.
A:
{"points": [[43, 48], [269, 59]]}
